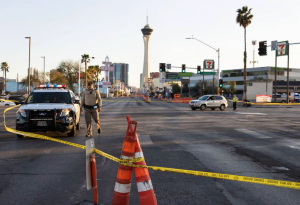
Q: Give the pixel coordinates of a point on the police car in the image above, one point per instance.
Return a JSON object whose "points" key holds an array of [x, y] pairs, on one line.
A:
{"points": [[50, 108]]}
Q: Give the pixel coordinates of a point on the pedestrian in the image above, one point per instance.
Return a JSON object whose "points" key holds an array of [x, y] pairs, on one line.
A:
{"points": [[92, 103], [234, 100]]}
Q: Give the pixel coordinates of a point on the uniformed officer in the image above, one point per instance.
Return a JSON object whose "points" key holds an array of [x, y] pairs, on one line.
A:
{"points": [[234, 100], [91, 101]]}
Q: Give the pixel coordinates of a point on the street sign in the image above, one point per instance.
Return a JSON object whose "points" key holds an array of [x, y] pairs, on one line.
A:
{"points": [[208, 73], [283, 48], [274, 45], [168, 66], [90, 146], [172, 76], [209, 64], [186, 74]]}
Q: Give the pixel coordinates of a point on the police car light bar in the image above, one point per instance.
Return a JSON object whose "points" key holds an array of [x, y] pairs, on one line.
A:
{"points": [[52, 86]]}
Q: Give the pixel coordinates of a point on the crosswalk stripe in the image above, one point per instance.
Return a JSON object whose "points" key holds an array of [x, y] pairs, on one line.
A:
{"points": [[255, 134]]}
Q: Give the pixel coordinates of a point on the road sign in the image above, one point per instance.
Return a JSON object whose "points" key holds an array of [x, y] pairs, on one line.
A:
{"points": [[172, 77], [209, 64], [90, 146], [208, 73], [186, 74], [283, 48], [274, 45], [168, 66]]}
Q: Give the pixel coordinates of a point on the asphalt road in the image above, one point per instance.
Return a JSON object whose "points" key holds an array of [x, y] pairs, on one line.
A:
{"points": [[256, 142]]}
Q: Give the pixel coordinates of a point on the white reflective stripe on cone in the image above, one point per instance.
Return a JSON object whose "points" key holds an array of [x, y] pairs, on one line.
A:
{"points": [[138, 155], [125, 157], [144, 186], [122, 188]]}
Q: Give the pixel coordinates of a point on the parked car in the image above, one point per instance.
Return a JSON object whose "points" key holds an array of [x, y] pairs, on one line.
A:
{"points": [[279, 99], [6, 103], [20, 99]]}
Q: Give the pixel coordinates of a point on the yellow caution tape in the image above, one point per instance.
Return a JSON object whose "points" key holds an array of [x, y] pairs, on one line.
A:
{"points": [[9, 100], [126, 162]]}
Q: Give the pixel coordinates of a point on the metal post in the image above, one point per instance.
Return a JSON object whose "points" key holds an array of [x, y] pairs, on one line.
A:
{"points": [[28, 92], [203, 83], [218, 72], [189, 86], [288, 74], [275, 74], [213, 84], [266, 83], [44, 69], [79, 77]]}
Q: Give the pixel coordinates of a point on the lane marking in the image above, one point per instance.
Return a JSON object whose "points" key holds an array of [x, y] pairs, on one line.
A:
{"points": [[255, 134], [251, 113]]}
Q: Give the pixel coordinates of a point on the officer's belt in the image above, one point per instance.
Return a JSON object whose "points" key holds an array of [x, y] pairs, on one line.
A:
{"points": [[91, 107]]}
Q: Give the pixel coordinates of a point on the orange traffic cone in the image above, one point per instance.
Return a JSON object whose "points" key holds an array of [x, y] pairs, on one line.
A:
{"points": [[123, 182], [143, 181]]}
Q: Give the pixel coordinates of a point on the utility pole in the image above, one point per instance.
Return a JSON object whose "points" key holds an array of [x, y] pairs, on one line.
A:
{"points": [[28, 92], [44, 69]]}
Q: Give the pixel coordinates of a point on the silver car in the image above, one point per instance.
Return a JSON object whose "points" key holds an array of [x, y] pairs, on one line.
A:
{"points": [[209, 101]]}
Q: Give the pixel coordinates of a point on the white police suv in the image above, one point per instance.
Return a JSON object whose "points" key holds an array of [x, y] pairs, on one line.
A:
{"points": [[49, 108]]}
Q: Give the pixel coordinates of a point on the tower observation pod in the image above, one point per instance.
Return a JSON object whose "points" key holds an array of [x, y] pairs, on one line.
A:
{"points": [[146, 37]]}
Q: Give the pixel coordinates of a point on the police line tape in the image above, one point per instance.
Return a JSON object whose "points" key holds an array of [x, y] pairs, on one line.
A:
{"points": [[127, 162]]}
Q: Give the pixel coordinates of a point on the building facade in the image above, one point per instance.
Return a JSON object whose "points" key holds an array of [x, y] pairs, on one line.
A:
{"points": [[259, 74], [121, 72]]}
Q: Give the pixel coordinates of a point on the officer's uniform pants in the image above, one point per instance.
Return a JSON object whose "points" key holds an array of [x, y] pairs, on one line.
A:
{"points": [[89, 114], [234, 105]]}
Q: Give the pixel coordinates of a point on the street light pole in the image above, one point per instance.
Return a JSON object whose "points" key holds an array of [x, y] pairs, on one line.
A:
{"points": [[28, 92], [217, 50], [44, 69]]}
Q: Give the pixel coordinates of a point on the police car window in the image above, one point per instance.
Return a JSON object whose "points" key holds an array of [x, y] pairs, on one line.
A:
{"points": [[49, 97], [218, 98]]}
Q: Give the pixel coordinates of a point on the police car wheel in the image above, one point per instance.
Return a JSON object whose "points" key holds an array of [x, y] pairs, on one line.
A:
{"points": [[73, 132], [78, 125]]}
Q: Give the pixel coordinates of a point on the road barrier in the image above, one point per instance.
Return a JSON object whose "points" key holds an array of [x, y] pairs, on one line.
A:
{"points": [[123, 182], [139, 158]]}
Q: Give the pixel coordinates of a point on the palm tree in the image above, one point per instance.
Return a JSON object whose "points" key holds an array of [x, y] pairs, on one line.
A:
{"points": [[4, 68], [244, 18], [86, 59], [97, 71]]}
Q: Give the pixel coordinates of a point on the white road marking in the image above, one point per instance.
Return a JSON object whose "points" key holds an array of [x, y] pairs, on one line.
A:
{"points": [[255, 134], [251, 113], [145, 139], [294, 147]]}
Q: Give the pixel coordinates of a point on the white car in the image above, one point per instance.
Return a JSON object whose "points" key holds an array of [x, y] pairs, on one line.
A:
{"points": [[209, 101], [6, 103]]}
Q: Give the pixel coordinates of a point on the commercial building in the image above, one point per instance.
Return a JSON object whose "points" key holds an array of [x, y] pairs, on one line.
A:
{"points": [[121, 72], [258, 74]]}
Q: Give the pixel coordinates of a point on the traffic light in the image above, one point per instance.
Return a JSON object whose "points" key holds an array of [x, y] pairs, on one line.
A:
{"points": [[162, 67], [183, 68], [221, 83], [198, 69], [262, 50]]}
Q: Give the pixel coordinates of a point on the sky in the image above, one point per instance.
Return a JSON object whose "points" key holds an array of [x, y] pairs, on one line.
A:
{"points": [[66, 29]]}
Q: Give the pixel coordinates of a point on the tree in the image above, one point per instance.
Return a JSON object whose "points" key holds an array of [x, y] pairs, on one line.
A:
{"points": [[70, 71], [4, 68], [58, 78], [24, 81], [85, 58], [175, 88], [95, 71], [244, 18], [44, 77]]}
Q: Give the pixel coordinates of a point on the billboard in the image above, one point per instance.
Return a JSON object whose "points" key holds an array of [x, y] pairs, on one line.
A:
{"points": [[106, 84], [107, 68], [263, 98]]}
